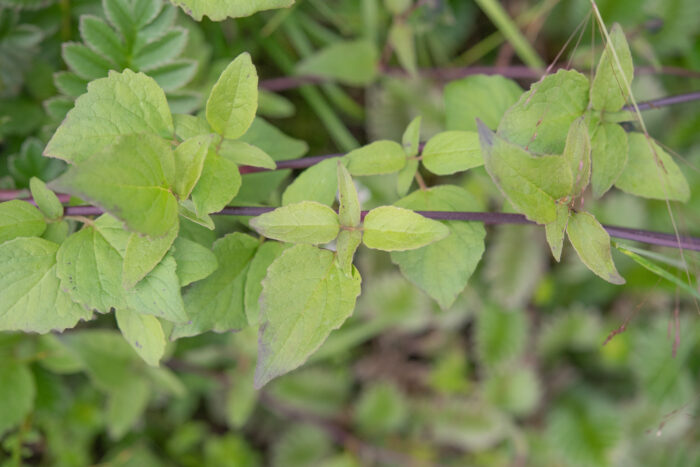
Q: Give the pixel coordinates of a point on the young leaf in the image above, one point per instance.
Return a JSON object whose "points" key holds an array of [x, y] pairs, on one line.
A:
{"points": [[351, 62], [346, 245], [539, 121], [555, 231], [194, 261], [20, 219], [452, 151], [305, 222], [380, 157], [217, 186], [264, 257], [121, 104], [189, 126], [234, 98], [216, 303], [158, 294], [317, 183], [609, 90], [17, 393], [578, 153], [144, 333], [130, 180], [391, 228], [532, 184], [592, 243], [246, 154], [189, 162], [479, 96], [404, 179], [45, 199], [217, 10], [411, 137], [349, 211], [442, 269], [651, 172], [609, 153], [305, 297], [143, 254]]}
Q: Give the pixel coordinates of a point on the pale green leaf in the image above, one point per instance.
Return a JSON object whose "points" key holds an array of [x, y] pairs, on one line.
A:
{"points": [[305, 297], [401, 38], [651, 172], [396, 7], [609, 153], [380, 157], [187, 210], [143, 254], [174, 74], [346, 245], [404, 179], [246, 154], [578, 153], [56, 232], [217, 302], [317, 183], [452, 151], [304, 222], [17, 393], [217, 186], [592, 243], [442, 269], [189, 163], [391, 228], [194, 261], [411, 137], [539, 121], [189, 126], [158, 294], [20, 219], [555, 231], [121, 104], [349, 211], [532, 184], [144, 333], [45, 199], [609, 90], [217, 10], [266, 254], [233, 100], [479, 96], [131, 180], [349, 62]]}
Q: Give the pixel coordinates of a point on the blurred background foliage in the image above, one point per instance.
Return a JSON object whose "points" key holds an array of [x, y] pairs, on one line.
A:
{"points": [[537, 363]]}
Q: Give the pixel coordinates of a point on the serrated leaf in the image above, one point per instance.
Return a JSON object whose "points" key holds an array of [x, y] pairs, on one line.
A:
{"points": [[144, 333], [131, 180], [246, 154], [317, 183], [391, 228], [578, 153], [16, 394], [189, 163], [126, 103], [556, 231], [143, 254], [102, 39], [305, 222], [174, 74], [264, 257], [161, 50], [442, 269], [233, 100], [349, 211], [451, 152], [349, 62], [217, 186], [32, 299], [20, 219], [539, 121], [217, 11], [216, 303], [479, 96], [84, 61], [380, 157], [45, 199], [119, 14], [532, 184], [194, 261], [609, 153], [651, 173], [592, 243], [610, 86], [305, 297]]}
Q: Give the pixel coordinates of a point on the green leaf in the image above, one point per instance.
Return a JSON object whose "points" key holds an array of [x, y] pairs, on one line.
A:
{"points": [[234, 98], [401, 38], [501, 335], [246, 154], [158, 294], [187, 210], [442, 269], [609, 153], [532, 184], [131, 180], [102, 39], [161, 50], [32, 299], [85, 62], [143, 254], [411, 137], [217, 186], [30, 163], [264, 257], [349, 211], [305, 222], [380, 410], [610, 87], [592, 243], [189, 126], [556, 230], [651, 172], [380, 157], [121, 104], [20, 219], [216, 303], [541, 118], [578, 153], [70, 84], [317, 183], [391, 228], [346, 245], [404, 179], [452, 151], [217, 10], [17, 393], [45, 199], [479, 96], [189, 162], [125, 406], [349, 62], [174, 74], [305, 297], [144, 333], [194, 261]]}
